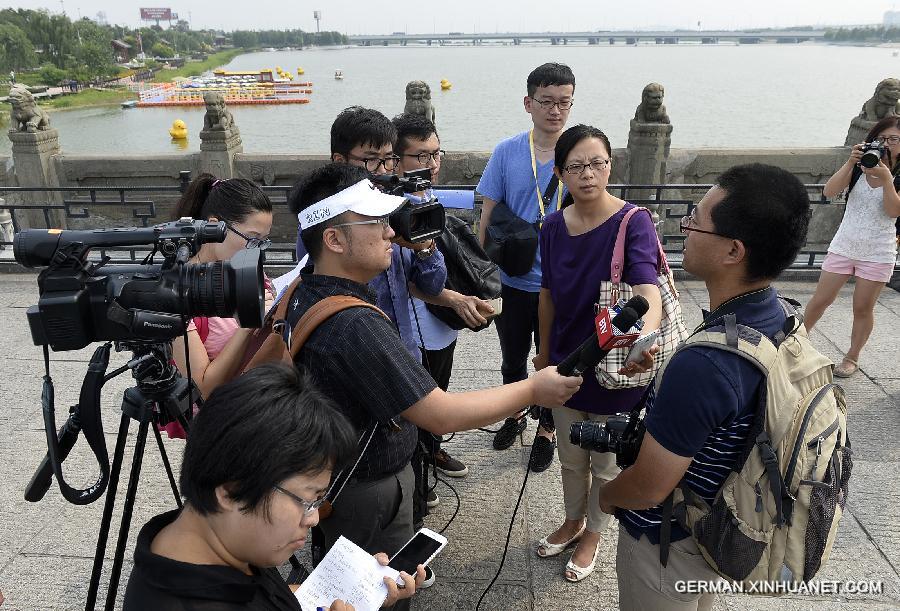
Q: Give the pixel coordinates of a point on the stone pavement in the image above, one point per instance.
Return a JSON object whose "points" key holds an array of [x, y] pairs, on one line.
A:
{"points": [[46, 549]]}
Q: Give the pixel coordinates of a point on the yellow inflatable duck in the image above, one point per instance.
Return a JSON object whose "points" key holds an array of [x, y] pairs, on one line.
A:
{"points": [[300, 71], [178, 131], [445, 84]]}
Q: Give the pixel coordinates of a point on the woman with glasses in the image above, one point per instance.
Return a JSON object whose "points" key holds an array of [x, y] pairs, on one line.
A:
{"points": [[256, 466], [865, 244], [577, 245], [217, 345]]}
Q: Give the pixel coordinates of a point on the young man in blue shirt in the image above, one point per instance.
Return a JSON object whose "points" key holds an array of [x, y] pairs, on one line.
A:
{"points": [[740, 237], [518, 174]]}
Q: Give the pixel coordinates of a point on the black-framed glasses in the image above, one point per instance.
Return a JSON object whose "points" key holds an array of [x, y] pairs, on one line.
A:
{"points": [[308, 506], [597, 165], [371, 163], [688, 221], [548, 104], [384, 221], [890, 139], [425, 156], [260, 243]]}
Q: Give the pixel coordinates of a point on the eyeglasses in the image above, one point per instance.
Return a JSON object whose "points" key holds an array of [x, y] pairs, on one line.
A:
{"points": [[597, 165], [384, 221], [890, 139], [688, 221], [371, 163], [548, 104], [424, 157], [260, 243], [308, 506]]}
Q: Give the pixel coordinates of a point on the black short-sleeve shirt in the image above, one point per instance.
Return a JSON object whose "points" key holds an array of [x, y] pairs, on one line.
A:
{"points": [[358, 360]]}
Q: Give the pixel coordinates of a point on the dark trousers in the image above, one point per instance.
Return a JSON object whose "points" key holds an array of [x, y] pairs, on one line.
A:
{"points": [[439, 364], [517, 327]]}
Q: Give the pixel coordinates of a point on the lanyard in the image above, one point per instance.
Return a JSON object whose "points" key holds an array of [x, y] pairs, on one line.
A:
{"points": [[537, 187]]}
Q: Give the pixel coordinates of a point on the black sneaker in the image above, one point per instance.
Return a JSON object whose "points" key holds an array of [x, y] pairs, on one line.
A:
{"points": [[432, 500], [449, 465], [508, 432], [429, 578], [541, 454]]}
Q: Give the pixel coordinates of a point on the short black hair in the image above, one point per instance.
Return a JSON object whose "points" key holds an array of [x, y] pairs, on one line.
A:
{"points": [[256, 431], [360, 126], [547, 75], [314, 187], [411, 126], [767, 208]]}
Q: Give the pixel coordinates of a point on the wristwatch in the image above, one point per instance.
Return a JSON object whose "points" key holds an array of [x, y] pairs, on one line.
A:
{"points": [[426, 252]]}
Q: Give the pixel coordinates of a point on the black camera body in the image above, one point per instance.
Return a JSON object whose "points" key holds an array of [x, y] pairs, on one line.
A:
{"points": [[872, 153], [621, 434], [82, 302], [414, 222]]}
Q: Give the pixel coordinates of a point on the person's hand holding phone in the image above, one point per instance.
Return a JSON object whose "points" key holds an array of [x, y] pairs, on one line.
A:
{"points": [[408, 585]]}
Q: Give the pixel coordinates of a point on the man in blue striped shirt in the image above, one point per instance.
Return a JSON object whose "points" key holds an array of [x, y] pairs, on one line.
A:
{"points": [[740, 237]]}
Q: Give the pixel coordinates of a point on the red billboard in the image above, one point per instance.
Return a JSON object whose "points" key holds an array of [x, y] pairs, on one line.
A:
{"points": [[156, 14]]}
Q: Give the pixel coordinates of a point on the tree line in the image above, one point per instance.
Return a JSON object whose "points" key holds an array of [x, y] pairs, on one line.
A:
{"points": [[867, 34]]}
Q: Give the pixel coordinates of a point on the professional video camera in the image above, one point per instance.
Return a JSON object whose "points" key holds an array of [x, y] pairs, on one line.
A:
{"points": [[621, 434], [82, 302], [414, 222], [872, 153]]}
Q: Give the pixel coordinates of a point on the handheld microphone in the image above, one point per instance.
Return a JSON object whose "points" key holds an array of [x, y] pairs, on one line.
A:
{"points": [[595, 348]]}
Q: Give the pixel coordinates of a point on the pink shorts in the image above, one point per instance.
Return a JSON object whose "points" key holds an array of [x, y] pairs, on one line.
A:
{"points": [[867, 270]]}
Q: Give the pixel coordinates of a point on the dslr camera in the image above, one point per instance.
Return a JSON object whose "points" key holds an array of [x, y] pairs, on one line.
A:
{"points": [[413, 222], [621, 434], [872, 153], [83, 302]]}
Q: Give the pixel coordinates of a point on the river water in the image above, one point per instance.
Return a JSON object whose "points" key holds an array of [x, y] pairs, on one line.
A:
{"points": [[717, 96]]}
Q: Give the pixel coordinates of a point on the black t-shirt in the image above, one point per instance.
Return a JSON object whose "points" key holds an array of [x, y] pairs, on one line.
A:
{"points": [[162, 584]]}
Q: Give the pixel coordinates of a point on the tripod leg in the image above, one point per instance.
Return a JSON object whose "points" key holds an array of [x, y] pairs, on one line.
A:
{"points": [[103, 537], [130, 495], [165, 459]]}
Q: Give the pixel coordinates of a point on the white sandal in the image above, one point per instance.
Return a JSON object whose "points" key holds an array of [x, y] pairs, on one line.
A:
{"points": [[555, 549], [580, 572]]}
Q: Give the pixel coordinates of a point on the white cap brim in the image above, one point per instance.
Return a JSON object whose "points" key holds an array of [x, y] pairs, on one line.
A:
{"points": [[362, 198]]}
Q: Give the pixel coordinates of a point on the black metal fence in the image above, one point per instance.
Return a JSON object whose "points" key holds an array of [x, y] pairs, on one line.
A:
{"points": [[94, 207]]}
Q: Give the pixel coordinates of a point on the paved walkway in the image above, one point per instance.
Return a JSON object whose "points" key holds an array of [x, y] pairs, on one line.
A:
{"points": [[46, 549]]}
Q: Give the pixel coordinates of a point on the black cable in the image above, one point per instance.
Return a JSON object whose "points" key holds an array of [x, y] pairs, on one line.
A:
{"points": [[458, 502]]}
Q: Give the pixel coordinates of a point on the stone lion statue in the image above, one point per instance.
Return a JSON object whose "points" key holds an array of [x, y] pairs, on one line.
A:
{"points": [[418, 100], [884, 102], [651, 109], [217, 117], [26, 115]]}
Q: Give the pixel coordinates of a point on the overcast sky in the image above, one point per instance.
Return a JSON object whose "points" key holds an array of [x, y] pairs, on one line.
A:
{"points": [[378, 17]]}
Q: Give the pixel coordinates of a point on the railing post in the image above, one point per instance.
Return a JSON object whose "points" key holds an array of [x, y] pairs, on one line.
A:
{"points": [[33, 153], [184, 178]]}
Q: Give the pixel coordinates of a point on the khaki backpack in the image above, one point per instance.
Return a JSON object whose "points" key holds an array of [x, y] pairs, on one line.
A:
{"points": [[776, 516]]}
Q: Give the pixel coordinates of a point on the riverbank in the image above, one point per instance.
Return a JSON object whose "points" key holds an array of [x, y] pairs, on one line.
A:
{"points": [[197, 68], [89, 98]]}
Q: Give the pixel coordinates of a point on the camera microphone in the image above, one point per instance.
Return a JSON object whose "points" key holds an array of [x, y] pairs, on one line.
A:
{"points": [[595, 348]]}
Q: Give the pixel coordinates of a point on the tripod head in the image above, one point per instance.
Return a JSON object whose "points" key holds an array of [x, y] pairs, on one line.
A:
{"points": [[161, 394]]}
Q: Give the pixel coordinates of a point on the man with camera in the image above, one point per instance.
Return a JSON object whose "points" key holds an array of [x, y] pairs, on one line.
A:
{"points": [[357, 358], [519, 175], [740, 237]]}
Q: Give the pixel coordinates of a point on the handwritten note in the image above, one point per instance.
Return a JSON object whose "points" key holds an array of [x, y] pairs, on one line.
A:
{"points": [[347, 573]]}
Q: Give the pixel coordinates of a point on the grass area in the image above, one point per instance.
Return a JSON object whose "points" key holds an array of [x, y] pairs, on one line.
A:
{"points": [[90, 97], [197, 68]]}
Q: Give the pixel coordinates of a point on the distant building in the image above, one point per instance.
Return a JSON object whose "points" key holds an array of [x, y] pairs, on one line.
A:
{"points": [[892, 18], [121, 50]]}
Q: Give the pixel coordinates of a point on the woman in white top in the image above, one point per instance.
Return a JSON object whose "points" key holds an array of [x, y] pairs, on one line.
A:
{"points": [[865, 244]]}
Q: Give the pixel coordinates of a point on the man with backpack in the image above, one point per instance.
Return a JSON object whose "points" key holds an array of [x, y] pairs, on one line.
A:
{"points": [[357, 358], [704, 495]]}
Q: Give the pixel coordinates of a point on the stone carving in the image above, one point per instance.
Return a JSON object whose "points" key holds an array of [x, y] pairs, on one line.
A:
{"points": [[418, 100], [885, 102], [651, 109], [218, 117], [26, 116]]}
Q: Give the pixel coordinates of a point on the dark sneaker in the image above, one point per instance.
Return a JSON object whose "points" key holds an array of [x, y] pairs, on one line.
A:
{"points": [[429, 578], [449, 465], [541, 454], [432, 500], [508, 432]]}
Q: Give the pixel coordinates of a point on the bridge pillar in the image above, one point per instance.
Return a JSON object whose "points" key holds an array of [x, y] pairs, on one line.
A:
{"points": [[554, 41], [33, 158], [592, 41], [612, 40]]}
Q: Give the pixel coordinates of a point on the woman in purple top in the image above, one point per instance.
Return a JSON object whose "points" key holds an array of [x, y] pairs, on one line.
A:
{"points": [[577, 243]]}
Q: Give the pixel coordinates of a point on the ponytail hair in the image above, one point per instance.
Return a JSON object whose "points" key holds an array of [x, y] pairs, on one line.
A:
{"points": [[231, 200]]}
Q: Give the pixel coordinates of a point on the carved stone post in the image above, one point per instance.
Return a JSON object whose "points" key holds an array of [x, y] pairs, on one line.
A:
{"points": [[220, 138], [33, 163], [649, 140], [885, 102]]}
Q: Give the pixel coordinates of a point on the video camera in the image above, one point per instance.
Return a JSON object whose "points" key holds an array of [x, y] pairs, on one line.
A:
{"points": [[83, 302], [413, 222], [621, 434], [872, 153]]}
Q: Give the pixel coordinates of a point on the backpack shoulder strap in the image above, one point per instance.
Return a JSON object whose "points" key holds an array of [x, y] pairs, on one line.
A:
{"points": [[320, 312]]}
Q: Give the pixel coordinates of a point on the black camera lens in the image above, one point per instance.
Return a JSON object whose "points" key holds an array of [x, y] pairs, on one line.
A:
{"points": [[592, 436], [228, 288], [872, 154]]}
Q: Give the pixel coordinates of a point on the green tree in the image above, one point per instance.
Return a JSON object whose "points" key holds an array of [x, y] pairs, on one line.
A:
{"points": [[161, 50], [51, 75], [16, 51]]}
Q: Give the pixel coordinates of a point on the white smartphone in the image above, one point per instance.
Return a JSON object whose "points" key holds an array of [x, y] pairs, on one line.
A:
{"points": [[640, 346], [497, 304], [421, 549]]}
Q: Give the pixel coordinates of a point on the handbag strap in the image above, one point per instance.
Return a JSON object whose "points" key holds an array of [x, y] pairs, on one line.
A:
{"points": [[617, 265]]}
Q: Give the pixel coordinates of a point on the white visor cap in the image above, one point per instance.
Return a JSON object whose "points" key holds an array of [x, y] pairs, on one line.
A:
{"points": [[362, 198]]}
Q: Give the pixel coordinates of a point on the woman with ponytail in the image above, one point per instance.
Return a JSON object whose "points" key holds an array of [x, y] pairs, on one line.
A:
{"points": [[217, 345], [865, 244]]}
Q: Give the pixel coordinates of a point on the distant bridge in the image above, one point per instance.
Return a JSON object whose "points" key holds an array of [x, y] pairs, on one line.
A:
{"points": [[597, 38]]}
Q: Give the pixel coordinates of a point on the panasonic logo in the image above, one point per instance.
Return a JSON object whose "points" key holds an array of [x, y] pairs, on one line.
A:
{"points": [[157, 325]]}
